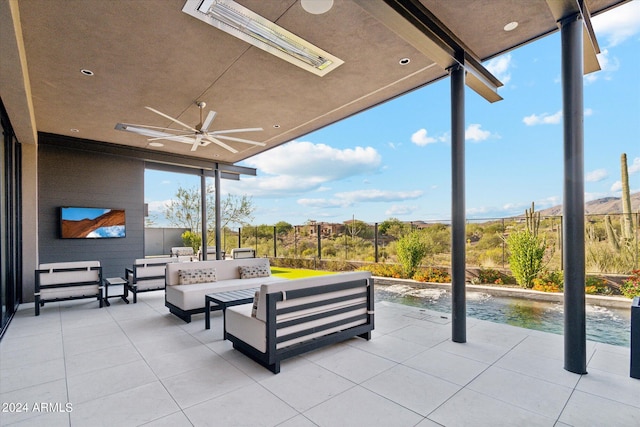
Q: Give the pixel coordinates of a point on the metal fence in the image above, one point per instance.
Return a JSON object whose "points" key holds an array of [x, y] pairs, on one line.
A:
{"points": [[608, 247]]}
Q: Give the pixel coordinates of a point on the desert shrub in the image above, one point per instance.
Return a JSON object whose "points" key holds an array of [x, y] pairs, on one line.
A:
{"points": [[526, 256], [432, 274], [491, 257], [549, 281], [630, 287], [411, 251], [596, 286], [384, 270], [189, 238]]}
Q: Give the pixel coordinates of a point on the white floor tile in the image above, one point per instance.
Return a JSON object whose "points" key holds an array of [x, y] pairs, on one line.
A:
{"points": [[131, 407], [470, 408], [585, 409], [306, 386], [532, 394], [259, 408], [450, 367], [360, 407], [415, 390]]}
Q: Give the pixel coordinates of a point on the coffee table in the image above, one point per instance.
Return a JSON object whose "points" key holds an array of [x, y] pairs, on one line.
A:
{"points": [[224, 300]]}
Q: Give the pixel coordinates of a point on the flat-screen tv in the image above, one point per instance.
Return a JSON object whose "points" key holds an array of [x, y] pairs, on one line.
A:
{"points": [[91, 223]]}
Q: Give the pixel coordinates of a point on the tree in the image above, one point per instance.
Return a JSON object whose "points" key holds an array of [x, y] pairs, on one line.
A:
{"points": [[393, 227], [185, 209]]}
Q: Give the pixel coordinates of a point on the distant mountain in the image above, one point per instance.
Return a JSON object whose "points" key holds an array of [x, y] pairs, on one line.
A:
{"points": [[606, 205]]}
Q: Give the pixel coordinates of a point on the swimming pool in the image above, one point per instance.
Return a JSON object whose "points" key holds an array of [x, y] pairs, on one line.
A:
{"points": [[604, 324]]}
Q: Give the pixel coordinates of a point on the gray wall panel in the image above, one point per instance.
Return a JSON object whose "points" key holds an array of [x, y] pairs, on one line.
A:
{"points": [[69, 177]]}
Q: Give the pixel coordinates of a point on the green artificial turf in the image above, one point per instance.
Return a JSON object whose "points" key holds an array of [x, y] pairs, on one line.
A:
{"points": [[296, 273]]}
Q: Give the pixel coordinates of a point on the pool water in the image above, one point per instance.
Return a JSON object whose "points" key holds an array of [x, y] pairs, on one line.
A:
{"points": [[604, 324]]}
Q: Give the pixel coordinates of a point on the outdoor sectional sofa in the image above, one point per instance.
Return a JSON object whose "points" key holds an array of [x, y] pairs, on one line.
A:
{"points": [[187, 283], [291, 317], [59, 281]]}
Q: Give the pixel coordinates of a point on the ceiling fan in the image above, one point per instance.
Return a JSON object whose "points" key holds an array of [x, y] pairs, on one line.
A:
{"points": [[198, 136]]}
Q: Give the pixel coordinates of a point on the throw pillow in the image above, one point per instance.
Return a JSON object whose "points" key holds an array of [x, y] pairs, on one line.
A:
{"points": [[254, 309], [196, 275], [253, 271]]}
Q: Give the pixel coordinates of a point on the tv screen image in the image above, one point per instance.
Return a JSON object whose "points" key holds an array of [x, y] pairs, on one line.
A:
{"points": [[91, 223]]}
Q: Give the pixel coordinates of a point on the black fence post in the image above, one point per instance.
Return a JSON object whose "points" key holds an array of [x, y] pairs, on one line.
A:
{"points": [[319, 242], [635, 338], [375, 241], [275, 239], [239, 237]]}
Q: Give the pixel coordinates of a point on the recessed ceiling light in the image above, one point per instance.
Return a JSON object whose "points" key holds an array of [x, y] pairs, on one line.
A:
{"points": [[316, 7], [74, 130], [511, 26], [404, 61], [276, 126], [156, 144], [86, 72]]}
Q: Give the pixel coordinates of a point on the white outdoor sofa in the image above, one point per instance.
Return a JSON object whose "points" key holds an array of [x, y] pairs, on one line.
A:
{"points": [[187, 283], [147, 274], [291, 317], [59, 281]]}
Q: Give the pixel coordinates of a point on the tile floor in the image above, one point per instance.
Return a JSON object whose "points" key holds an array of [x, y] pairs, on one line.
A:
{"points": [[132, 365]]}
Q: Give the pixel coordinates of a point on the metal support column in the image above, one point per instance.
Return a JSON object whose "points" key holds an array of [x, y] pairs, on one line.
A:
{"points": [[458, 255], [216, 177], [203, 214], [575, 336]]}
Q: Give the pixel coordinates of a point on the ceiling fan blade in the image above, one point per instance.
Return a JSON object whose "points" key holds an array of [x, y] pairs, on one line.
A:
{"points": [[196, 142], [220, 143], [207, 122], [246, 141], [220, 132], [186, 126], [179, 138], [142, 130]]}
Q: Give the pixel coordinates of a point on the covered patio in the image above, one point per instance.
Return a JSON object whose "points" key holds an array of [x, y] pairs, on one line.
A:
{"points": [[129, 365]]}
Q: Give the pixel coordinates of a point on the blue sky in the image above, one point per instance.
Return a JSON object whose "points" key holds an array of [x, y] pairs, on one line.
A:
{"points": [[395, 160]]}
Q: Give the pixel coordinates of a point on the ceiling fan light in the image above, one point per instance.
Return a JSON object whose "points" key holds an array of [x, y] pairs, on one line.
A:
{"points": [[240, 22]]}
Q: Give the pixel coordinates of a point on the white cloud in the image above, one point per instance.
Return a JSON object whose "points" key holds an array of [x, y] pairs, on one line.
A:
{"points": [[499, 67], [347, 199], [618, 24], [617, 186], [302, 159], [596, 175], [399, 210], [420, 138], [635, 166], [474, 133], [544, 118], [588, 112], [299, 167], [608, 66], [158, 205]]}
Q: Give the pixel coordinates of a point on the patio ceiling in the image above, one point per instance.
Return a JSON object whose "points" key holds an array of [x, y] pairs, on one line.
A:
{"points": [[151, 53]]}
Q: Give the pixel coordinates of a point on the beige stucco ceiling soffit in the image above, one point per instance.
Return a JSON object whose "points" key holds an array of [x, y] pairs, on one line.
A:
{"points": [[563, 9], [419, 27], [243, 23], [14, 75]]}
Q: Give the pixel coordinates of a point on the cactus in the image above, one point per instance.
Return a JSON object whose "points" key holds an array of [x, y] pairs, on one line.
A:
{"points": [[533, 220], [627, 221]]}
